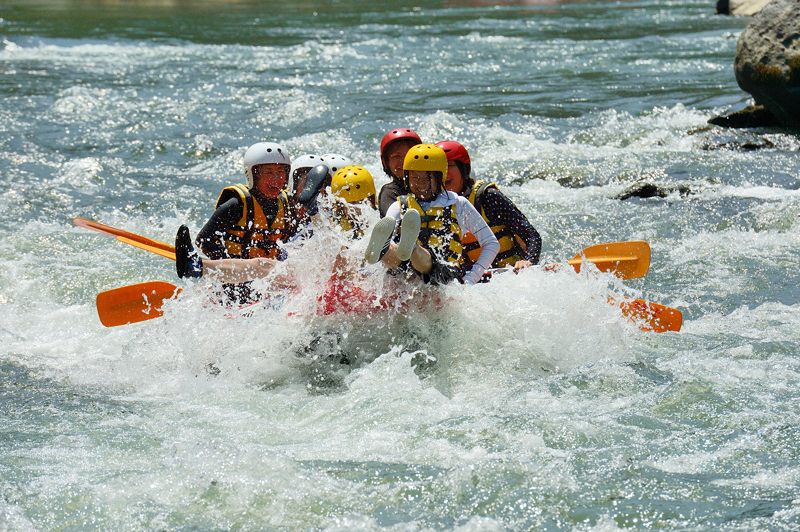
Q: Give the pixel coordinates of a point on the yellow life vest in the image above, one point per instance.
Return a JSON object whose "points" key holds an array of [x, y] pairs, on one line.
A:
{"points": [[348, 223], [510, 250], [439, 230], [253, 235]]}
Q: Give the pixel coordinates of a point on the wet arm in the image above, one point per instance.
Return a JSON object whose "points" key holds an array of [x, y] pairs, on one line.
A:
{"points": [[238, 270], [471, 221], [210, 236]]}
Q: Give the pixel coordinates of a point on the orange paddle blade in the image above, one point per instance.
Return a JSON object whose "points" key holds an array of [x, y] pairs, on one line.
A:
{"points": [[626, 260], [147, 247], [652, 316], [113, 231], [134, 303]]}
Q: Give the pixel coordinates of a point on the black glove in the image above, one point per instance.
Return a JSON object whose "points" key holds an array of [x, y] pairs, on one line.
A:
{"points": [[187, 260], [315, 180]]}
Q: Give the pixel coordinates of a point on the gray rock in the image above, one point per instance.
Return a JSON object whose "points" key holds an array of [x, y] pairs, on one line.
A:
{"points": [[740, 8], [767, 61]]}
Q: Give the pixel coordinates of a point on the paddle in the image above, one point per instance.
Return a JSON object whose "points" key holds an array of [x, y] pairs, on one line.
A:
{"points": [[652, 316], [144, 301], [627, 260], [127, 237], [134, 303]]}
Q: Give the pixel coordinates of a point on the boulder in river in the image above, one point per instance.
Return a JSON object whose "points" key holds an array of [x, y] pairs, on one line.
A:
{"points": [[767, 63]]}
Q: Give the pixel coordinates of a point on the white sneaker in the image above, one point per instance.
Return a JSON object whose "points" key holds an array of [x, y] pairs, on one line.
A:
{"points": [[379, 239], [409, 231]]}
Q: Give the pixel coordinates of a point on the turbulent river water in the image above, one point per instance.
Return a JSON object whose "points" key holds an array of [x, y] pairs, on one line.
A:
{"points": [[524, 403]]}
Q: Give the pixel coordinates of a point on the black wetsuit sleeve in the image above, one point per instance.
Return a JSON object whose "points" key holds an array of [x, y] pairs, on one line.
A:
{"points": [[388, 195], [501, 210], [210, 236], [298, 220]]}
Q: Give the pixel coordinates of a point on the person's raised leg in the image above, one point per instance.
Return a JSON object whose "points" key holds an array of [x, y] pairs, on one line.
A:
{"points": [[409, 232], [380, 240], [421, 259]]}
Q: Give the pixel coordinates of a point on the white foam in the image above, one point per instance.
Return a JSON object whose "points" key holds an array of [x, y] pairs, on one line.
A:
{"points": [[757, 192], [662, 129], [786, 478]]}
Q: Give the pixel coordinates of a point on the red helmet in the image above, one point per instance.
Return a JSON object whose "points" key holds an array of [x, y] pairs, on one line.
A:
{"points": [[399, 134], [393, 136], [456, 151]]}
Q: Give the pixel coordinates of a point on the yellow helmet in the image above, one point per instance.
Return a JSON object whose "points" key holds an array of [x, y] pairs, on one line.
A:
{"points": [[426, 158], [353, 184]]}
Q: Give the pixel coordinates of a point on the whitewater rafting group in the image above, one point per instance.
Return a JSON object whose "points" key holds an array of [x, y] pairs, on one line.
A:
{"points": [[438, 224]]}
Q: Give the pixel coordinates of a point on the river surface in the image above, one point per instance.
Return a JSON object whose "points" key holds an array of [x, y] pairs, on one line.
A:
{"points": [[524, 403]]}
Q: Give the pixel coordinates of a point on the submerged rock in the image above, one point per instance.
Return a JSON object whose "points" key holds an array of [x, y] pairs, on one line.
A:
{"points": [[738, 145], [767, 63], [712, 139], [751, 116], [740, 8], [647, 189]]}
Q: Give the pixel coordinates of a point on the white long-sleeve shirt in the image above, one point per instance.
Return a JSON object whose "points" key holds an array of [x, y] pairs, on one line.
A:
{"points": [[470, 221]]}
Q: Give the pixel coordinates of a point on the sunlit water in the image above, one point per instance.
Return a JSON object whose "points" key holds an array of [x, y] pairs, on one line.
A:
{"points": [[524, 403]]}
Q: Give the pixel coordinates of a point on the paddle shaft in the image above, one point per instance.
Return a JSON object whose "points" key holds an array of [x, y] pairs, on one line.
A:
{"points": [[114, 231], [147, 247]]}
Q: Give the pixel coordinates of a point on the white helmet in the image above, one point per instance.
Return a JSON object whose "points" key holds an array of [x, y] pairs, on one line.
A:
{"points": [[264, 153], [335, 161], [304, 161]]}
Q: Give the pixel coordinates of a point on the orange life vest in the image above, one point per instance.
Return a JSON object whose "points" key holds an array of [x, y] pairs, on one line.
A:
{"points": [[254, 235]]}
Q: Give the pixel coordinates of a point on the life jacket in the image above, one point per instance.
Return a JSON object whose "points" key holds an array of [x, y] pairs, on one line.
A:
{"points": [[439, 230], [254, 235], [510, 250], [346, 221]]}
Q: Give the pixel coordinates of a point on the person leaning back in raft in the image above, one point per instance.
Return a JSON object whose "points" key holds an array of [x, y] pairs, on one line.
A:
{"points": [[432, 222], [520, 243]]}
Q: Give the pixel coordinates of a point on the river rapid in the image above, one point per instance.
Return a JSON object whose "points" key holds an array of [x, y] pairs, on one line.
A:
{"points": [[524, 403]]}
